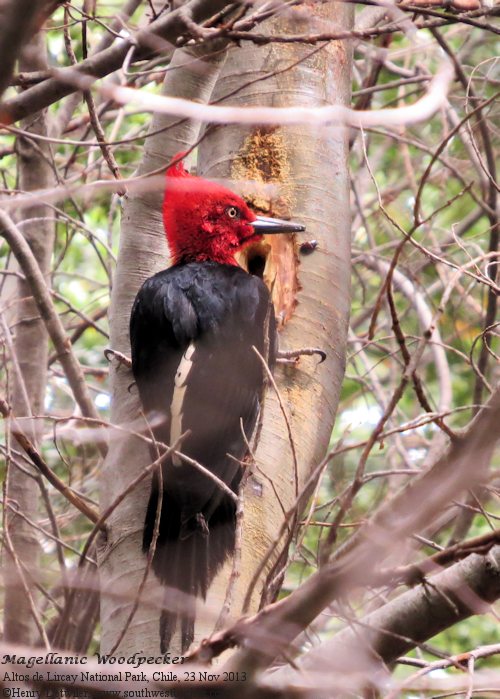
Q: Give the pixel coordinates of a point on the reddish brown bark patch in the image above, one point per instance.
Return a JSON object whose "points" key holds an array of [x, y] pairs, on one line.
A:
{"points": [[263, 159]]}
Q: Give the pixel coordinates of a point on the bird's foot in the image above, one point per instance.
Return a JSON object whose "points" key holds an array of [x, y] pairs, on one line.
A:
{"points": [[121, 358], [293, 356], [195, 523], [202, 524]]}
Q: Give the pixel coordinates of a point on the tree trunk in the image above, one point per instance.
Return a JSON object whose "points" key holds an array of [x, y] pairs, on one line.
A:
{"points": [[310, 168], [31, 349], [311, 292], [143, 251]]}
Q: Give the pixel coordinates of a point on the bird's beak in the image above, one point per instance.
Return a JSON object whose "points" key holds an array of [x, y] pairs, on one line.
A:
{"points": [[268, 226]]}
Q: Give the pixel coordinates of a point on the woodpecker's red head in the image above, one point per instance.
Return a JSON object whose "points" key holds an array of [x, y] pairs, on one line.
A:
{"points": [[206, 221]]}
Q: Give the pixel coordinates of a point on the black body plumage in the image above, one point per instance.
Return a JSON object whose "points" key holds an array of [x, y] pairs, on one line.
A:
{"points": [[192, 330]]}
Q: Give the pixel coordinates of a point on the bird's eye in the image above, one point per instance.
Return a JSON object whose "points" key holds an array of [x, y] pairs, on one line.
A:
{"points": [[232, 212]]}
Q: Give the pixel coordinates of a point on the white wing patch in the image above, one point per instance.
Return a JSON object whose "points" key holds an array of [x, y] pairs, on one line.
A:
{"points": [[180, 386]]}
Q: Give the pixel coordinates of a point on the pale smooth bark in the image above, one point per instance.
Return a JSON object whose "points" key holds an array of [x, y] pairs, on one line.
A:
{"points": [[311, 293], [143, 251], [31, 350]]}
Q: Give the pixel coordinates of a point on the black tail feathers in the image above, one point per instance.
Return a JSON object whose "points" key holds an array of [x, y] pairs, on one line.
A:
{"points": [[189, 552]]}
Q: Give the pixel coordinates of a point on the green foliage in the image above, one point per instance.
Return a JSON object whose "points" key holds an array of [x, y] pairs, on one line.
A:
{"points": [[446, 248]]}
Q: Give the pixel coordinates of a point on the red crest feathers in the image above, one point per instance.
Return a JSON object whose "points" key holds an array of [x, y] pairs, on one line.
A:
{"points": [[203, 220], [178, 169]]}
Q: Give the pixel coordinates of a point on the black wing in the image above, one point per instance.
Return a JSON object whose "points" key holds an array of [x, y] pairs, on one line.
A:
{"points": [[192, 330], [218, 312]]}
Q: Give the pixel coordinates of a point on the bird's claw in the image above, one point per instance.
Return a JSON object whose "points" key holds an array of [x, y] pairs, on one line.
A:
{"points": [[293, 356], [121, 358]]}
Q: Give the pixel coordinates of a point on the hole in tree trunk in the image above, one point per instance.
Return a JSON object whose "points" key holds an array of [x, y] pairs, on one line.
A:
{"points": [[255, 259], [257, 264], [275, 262]]}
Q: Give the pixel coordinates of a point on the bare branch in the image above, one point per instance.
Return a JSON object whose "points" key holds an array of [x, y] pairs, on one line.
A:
{"points": [[18, 20], [450, 596], [41, 294], [314, 116], [355, 562], [161, 33]]}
